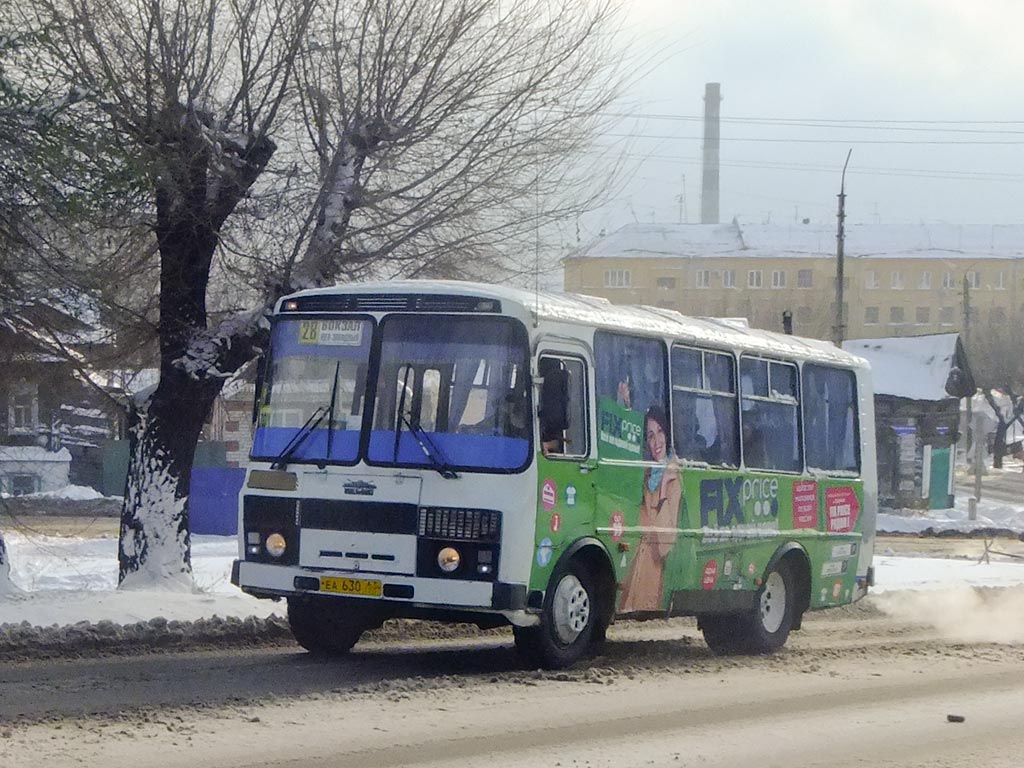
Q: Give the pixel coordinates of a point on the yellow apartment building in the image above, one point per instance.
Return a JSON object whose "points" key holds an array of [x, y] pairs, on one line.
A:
{"points": [[900, 280]]}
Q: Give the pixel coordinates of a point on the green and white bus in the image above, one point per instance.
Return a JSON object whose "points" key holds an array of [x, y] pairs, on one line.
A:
{"points": [[476, 453]]}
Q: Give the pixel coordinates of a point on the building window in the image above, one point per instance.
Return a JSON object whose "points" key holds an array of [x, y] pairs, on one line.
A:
{"points": [[871, 279], [778, 278], [973, 278], [924, 282], [1000, 284], [23, 485], [702, 279], [754, 278], [896, 316], [923, 315], [729, 278], [617, 278], [946, 316], [870, 315], [804, 278], [896, 280], [947, 281], [666, 283], [23, 409]]}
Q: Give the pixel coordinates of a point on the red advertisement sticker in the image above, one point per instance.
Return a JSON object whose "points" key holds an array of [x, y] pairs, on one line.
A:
{"points": [[556, 522], [841, 509], [709, 578], [805, 504], [549, 495]]}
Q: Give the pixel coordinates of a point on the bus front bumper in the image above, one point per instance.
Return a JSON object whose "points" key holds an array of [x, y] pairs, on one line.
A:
{"points": [[268, 580]]}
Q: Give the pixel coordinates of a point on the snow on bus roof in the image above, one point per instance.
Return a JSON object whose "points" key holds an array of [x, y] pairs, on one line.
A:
{"points": [[601, 313]]}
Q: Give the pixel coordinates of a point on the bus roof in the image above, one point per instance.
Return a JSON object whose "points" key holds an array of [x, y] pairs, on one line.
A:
{"points": [[600, 313]]}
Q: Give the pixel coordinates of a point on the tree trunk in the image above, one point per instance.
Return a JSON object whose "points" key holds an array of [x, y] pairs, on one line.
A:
{"points": [[164, 428], [163, 432], [999, 444], [6, 586]]}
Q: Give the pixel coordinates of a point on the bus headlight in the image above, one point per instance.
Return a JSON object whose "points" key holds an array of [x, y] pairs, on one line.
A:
{"points": [[275, 545], [448, 559]]}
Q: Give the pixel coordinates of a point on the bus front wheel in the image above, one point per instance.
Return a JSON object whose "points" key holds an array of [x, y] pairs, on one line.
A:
{"points": [[569, 621], [764, 629], [322, 627]]}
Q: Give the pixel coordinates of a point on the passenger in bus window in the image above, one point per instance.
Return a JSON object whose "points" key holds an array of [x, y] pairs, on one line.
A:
{"points": [[624, 394], [659, 516], [552, 440]]}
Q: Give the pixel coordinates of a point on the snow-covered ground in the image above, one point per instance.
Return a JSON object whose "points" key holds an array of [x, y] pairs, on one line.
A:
{"points": [[65, 580]]}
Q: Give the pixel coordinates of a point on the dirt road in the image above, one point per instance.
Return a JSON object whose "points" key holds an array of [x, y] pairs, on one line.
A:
{"points": [[855, 686]]}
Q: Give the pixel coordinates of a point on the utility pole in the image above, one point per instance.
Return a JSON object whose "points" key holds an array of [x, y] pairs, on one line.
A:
{"points": [[973, 422], [681, 197], [839, 330]]}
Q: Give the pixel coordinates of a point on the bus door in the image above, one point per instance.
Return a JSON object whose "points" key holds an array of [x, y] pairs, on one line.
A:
{"points": [[565, 489]]}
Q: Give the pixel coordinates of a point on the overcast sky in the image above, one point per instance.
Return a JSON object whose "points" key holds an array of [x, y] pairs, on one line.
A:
{"points": [[927, 93]]}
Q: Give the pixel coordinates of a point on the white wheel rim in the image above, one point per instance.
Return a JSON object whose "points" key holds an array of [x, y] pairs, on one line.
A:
{"points": [[773, 602], [570, 609]]}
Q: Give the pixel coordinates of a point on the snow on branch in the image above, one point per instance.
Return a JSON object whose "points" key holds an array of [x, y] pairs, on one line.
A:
{"points": [[216, 353]]}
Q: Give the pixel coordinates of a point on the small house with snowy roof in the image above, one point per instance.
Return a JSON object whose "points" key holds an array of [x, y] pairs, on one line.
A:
{"points": [[918, 381]]}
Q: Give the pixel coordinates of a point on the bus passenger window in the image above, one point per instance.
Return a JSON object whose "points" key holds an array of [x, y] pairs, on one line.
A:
{"points": [[704, 406], [770, 415]]}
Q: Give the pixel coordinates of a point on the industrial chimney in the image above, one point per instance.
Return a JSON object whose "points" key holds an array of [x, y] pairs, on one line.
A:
{"points": [[709, 174]]}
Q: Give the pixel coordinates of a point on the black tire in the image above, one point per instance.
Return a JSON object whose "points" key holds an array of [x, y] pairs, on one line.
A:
{"points": [[766, 627], [321, 627], [723, 634], [569, 624]]}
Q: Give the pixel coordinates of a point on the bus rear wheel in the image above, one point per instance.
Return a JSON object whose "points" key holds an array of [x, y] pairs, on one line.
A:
{"points": [[569, 622], [323, 627], [766, 627]]}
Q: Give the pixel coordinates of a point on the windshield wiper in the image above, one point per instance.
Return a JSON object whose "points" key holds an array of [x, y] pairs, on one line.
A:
{"points": [[330, 411], [430, 450], [421, 437], [296, 442]]}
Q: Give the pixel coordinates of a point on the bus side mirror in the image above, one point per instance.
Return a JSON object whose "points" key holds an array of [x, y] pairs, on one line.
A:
{"points": [[554, 404]]}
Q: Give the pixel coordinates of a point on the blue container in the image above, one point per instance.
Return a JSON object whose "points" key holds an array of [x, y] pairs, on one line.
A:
{"points": [[213, 502]]}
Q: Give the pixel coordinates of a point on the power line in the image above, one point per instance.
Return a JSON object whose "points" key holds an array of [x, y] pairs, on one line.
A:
{"points": [[763, 139], [927, 173], [875, 125]]}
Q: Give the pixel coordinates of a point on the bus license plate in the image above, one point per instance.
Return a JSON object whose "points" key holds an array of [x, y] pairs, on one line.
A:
{"points": [[343, 586]]}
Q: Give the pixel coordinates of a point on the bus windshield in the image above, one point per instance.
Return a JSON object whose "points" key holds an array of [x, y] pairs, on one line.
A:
{"points": [[311, 407], [451, 394]]}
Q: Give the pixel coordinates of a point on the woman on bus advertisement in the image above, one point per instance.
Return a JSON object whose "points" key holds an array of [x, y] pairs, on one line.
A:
{"points": [[659, 513]]}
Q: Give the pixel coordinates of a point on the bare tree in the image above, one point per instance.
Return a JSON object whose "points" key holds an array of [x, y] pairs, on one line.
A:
{"points": [[188, 93], [997, 361], [265, 145], [446, 134]]}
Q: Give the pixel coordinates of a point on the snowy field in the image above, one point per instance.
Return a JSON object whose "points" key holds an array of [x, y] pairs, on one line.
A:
{"points": [[66, 580]]}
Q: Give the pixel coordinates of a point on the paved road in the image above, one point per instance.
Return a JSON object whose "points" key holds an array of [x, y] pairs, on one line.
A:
{"points": [[857, 686], [1004, 486]]}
